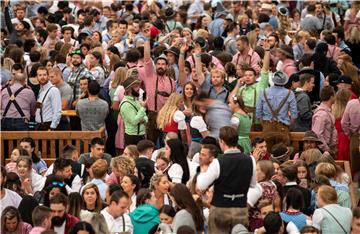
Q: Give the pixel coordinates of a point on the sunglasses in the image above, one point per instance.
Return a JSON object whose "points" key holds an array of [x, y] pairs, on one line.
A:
{"points": [[59, 184]]}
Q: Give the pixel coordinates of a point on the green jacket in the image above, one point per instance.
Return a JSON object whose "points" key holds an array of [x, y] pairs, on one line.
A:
{"points": [[144, 218], [133, 115]]}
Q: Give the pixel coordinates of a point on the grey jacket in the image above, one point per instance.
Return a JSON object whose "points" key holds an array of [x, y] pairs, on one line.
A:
{"points": [[303, 121]]}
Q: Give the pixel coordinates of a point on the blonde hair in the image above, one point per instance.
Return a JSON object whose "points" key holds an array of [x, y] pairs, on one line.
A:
{"points": [[326, 169], [155, 180], [327, 194], [342, 97], [166, 113], [311, 155], [119, 77], [124, 165], [354, 35], [99, 168], [240, 18], [98, 222], [202, 33]]}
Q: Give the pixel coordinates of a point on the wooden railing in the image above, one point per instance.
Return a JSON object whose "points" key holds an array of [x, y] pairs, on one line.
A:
{"points": [[295, 139], [49, 143]]}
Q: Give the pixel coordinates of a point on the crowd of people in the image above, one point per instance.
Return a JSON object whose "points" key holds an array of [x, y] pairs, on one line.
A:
{"points": [[176, 87]]}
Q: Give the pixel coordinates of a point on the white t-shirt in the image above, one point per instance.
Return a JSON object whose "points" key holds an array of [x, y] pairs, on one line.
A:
{"points": [[198, 123], [11, 198], [116, 225]]}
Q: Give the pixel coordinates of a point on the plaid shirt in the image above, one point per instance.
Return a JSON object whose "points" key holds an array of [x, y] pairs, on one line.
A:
{"points": [[74, 79]]}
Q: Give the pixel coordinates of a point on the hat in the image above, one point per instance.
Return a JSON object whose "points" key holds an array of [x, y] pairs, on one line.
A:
{"points": [[229, 17], [169, 13], [201, 41], [162, 56], [345, 80], [311, 136], [239, 229], [78, 52], [281, 152], [282, 10], [280, 78], [220, 10], [287, 50], [130, 82], [266, 6], [174, 51]]}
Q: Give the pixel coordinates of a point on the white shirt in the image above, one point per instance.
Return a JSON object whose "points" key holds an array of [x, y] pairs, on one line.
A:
{"points": [[61, 229], [133, 203], [205, 179], [37, 181], [254, 194], [179, 118], [176, 173], [51, 106], [10, 198], [198, 123], [116, 225]]}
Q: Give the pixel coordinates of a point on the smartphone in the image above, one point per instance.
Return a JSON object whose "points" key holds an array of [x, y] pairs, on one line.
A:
{"points": [[144, 96]]}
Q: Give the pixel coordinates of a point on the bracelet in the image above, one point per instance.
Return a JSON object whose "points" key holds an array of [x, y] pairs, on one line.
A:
{"points": [[198, 55], [181, 53], [267, 50], [146, 40]]}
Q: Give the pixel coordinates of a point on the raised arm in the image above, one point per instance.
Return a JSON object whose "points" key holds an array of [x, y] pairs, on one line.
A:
{"points": [[182, 74], [7, 17], [198, 66]]}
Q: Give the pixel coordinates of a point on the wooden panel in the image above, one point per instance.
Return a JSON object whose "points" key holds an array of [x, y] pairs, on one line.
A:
{"points": [[52, 149], [48, 140], [86, 146], [61, 146]]}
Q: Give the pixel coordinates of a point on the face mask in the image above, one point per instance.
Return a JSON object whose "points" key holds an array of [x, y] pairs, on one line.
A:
{"points": [[135, 93], [58, 221]]}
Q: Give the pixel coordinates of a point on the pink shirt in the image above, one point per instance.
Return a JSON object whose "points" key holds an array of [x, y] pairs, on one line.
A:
{"points": [[252, 58], [165, 84], [214, 60], [350, 122], [289, 67], [112, 179], [333, 52], [323, 122]]}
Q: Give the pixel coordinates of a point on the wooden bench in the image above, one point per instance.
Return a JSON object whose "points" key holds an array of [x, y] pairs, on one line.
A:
{"points": [[51, 143]]}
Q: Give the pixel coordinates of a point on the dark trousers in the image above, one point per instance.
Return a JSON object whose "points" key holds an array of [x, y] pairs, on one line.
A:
{"points": [[43, 126], [133, 139], [14, 124]]}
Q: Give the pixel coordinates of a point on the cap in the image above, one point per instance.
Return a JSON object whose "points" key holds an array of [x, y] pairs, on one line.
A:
{"points": [[130, 82], [280, 78], [345, 80]]}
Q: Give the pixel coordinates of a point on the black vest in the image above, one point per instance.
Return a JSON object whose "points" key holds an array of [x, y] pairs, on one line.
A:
{"points": [[70, 180], [230, 189], [76, 168], [195, 134]]}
